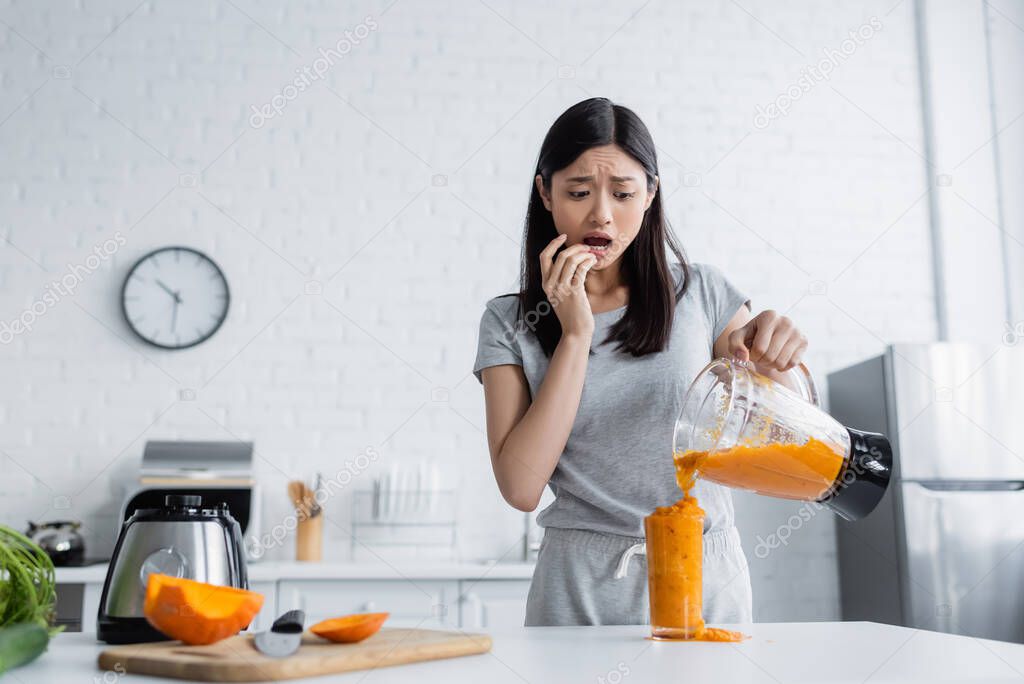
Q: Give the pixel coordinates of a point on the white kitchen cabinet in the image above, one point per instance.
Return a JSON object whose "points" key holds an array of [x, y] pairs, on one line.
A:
{"points": [[492, 604], [412, 603], [446, 595]]}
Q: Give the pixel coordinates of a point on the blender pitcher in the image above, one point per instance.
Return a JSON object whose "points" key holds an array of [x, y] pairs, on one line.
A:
{"points": [[741, 429]]}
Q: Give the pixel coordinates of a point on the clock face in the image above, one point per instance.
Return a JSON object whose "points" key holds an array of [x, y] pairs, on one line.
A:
{"points": [[175, 297]]}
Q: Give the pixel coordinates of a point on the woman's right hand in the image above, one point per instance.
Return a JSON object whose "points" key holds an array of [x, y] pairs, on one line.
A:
{"points": [[563, 277]]}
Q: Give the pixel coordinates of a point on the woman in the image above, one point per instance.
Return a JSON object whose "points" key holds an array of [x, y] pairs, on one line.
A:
{"points": [[584, 370]]}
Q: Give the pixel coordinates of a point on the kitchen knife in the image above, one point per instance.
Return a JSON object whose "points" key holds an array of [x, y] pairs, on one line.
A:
{"points": [[284, 635]]}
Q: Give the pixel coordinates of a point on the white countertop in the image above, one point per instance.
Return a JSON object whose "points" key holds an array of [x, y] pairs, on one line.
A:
{"points": [[270, 571], [777, 652]]}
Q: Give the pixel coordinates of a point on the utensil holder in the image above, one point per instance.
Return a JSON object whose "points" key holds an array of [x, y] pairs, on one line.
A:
{"points": [[309, 536]]}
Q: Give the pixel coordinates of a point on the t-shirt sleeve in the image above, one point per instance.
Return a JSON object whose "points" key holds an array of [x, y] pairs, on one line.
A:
{"points": [[723, 299], [497, 344]]}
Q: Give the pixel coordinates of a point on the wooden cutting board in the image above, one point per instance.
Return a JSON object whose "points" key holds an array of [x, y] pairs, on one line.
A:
{"points": [[236, 659]]}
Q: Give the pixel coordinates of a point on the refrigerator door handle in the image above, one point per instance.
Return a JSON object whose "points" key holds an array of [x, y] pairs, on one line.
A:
{"points": [[970, 485]]}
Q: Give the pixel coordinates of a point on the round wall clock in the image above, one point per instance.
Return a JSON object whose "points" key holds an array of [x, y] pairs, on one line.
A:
{"points": [[175, 297]]}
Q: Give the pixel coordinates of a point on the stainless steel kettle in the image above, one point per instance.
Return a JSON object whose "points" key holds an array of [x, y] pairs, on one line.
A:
{"points": [[181, 539], [61, 540]]}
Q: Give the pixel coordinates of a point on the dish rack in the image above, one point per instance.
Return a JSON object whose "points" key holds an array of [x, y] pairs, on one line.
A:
{"points": [[403, 523]]}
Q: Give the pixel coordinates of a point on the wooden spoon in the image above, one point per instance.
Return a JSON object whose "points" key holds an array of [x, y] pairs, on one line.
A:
{"points": [[297, 492], [308, 501]]}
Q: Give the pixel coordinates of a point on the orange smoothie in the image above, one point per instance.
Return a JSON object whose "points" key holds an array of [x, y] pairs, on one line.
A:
{"points": [[675, 568], [787, 471], [675, 555]]}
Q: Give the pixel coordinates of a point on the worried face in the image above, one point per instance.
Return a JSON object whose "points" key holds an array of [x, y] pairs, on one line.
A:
{"points": [[599, 200]]}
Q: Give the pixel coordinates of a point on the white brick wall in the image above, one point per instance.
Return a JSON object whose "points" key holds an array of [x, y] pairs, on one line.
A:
{"points": [[97, 128]]}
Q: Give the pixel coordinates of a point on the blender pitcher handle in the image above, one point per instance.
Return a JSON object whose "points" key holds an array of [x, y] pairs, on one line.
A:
{"points": [[808, 390]]}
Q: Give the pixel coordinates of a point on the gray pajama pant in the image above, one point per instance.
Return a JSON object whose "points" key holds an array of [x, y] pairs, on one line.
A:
{"points": [[574, 582]]}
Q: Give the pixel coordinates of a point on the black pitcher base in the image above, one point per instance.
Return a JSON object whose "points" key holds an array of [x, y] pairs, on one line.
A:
{"points": [[864, 480]]}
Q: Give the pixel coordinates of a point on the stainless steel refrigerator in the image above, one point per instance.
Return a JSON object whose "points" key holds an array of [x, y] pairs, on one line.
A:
{"points": [[944, 550]]}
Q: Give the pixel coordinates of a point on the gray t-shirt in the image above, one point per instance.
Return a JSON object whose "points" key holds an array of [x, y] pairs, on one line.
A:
{"points": [[617, 464]]}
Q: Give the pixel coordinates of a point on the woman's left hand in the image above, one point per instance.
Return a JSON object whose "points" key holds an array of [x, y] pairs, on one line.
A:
{"points": [[769, 340]]}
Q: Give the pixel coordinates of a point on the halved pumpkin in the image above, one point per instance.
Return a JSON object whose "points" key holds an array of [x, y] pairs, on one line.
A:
{"points": [[196, 612], [350, 628]]}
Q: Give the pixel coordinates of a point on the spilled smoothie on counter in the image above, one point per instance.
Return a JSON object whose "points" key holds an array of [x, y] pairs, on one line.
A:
{"points": [[675, 533]]}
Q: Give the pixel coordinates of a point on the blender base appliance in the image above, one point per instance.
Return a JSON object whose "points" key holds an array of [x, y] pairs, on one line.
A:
{"points": [[180, 539]]}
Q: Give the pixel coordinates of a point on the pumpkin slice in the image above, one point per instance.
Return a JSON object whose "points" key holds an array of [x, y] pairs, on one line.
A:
{"points": [[350, 628], [196, 612]]}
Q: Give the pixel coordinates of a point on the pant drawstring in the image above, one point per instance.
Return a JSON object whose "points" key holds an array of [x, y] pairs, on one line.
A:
{"points": [[627, 556]]}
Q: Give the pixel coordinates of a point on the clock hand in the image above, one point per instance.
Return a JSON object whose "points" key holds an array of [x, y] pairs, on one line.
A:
{"points": [[177, 296], [174, 316]]}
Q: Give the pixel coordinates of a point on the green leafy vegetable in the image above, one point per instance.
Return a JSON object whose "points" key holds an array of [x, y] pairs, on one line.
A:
{"points": [[28, 585], [28, 599]]}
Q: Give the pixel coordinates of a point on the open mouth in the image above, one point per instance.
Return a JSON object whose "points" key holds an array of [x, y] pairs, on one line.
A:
{"points": [[597, 243]]}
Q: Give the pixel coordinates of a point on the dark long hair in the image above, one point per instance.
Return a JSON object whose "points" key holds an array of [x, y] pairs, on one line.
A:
{"points": [[647, 323]]}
